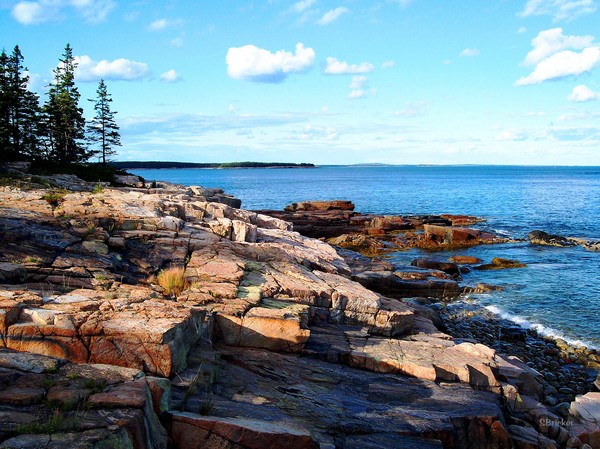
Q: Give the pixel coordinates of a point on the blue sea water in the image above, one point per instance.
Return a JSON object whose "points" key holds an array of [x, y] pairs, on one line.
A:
{"points": [[559, 291]]}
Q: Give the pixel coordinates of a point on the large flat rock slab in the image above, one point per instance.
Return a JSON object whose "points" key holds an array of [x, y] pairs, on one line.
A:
{"points": [[136, 329], [425, 356], [336, 403]]}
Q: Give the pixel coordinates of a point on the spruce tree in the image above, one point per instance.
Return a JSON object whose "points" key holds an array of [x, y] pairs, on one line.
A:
{"points": [[5, 148], [102, 129], [19, 110], [64, 122]]}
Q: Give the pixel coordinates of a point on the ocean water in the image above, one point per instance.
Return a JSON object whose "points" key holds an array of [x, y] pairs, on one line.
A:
{"points": [[559, 291]]}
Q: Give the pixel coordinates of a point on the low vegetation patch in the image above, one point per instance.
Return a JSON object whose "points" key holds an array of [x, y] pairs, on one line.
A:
{"points": [[54, 197], [172, 280]]}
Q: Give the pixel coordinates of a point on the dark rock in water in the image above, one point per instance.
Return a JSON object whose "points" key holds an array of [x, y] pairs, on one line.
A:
{"points": [[543, 238], [432, 264], [499, 263], [513, 334]]}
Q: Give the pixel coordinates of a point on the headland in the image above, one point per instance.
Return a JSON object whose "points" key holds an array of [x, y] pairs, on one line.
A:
{"points": [[168, 316]]}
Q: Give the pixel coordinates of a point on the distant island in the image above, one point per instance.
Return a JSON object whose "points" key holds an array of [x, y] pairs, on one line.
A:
{"points": [[166, 164]]}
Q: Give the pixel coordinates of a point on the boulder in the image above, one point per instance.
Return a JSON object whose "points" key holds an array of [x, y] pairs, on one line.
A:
{"points": [[312, 206], [465, 260], [585, 414], [432, 264], [454, 237], [283, 327], [543, 238]]}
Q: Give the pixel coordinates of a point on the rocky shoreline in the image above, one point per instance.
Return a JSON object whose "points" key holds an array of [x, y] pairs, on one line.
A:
{"points": [[568, 370], [167, 317]]}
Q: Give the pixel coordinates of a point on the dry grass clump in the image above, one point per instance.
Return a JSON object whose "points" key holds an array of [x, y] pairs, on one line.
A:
{"points": [[172, 280]]}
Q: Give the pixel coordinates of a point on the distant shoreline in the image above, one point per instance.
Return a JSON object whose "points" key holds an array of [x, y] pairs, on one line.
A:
{"points": [[129, 165]]}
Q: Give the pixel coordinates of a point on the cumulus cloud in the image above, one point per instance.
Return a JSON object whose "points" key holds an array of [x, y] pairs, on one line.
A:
{"points": [[387, 64], [583, 93], [34, 12], [558, 9], [170, 76], [554, 58], [256, 64], [356, 94], [552, 41], [335, 67], [468, 52], [119, 69], [302, 5], [332, 15]]}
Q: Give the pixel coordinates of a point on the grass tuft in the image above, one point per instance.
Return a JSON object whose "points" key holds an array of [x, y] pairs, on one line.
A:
{"points": [[173, 280]]}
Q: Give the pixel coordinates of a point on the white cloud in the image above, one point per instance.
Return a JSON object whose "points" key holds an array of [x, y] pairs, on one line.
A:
{"points": [[522, 30], [33, 12], [302, 5], [119, 69], [332, 15], [356, 94], [157, 25], [162, 24], [335, 67], [554, 58], [359, 82], [468, 52], [29, 13], [256, 64], [583, 93], [387, 64], [559, 9], [94, 11], [552, 41], [562, 64], [170, 76]]}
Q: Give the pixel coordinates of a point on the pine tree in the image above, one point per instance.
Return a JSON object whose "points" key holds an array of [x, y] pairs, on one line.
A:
{"points": [[102, 129], [19, 110], [64, 122], [5, 148]]}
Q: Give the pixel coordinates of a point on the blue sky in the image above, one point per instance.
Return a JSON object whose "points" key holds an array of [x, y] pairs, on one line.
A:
{"points": [[331, 82]]}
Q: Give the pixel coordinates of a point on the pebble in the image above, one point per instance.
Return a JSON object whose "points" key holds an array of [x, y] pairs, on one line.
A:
{"points": [[562, 365]]}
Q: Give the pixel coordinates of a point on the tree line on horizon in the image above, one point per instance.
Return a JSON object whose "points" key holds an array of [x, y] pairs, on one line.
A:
{"points": [[56, 131]]}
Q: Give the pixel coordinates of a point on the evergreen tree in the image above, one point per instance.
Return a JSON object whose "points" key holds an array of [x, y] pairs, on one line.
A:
{"points": [[19, 110], [64, 123], [5, 148], [102, 129]]}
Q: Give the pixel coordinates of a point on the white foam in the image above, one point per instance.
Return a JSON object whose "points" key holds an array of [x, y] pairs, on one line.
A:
{"points": [[539, 328]]}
